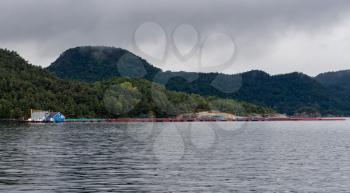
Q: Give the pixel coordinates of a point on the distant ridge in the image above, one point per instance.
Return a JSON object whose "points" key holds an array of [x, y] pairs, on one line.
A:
{"points": [[334, 78], [338, 82], [293, 93]]}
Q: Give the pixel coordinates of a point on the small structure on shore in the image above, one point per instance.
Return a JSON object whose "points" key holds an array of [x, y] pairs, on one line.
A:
{"points": [[55, 117], [46, 116], [38, 115]]}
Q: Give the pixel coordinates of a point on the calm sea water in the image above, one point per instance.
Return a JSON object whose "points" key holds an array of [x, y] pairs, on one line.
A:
{"points": [[176, 157]]}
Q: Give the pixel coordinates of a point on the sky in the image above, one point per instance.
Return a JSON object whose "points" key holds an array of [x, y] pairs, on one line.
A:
{"points": [[229, 36]]}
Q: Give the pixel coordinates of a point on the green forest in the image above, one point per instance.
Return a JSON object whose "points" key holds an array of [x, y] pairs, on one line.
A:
{"points": [[292, 94], [24, 86]]}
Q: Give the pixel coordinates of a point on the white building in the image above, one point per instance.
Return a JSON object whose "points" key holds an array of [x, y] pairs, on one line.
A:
{"points": [[38, 115]]}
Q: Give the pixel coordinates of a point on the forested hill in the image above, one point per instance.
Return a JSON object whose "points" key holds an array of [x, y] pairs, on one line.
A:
{"points": [[339, 78], [24, 87], [101, 63], [338, 82], [293, 93]]}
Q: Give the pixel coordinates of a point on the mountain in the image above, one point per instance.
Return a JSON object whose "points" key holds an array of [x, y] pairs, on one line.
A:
{"points": [[24, 86], [338, 82], [293, 93], [101, 63], [290, 93], [339, 78]]}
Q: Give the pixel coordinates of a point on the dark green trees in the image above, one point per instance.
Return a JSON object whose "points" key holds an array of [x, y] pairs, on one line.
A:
{"points": [[24, 87], [287, 93]]}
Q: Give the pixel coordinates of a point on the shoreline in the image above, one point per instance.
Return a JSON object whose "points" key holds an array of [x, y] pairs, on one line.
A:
{"points": [[145, 120]]}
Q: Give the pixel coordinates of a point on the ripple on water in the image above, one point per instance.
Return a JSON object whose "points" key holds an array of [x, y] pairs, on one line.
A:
{"points": [[176, 157]]}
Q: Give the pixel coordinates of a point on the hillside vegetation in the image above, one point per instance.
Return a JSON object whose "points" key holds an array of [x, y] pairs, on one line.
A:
{"points": [[338, 81], [293, 93], [24, 87]]}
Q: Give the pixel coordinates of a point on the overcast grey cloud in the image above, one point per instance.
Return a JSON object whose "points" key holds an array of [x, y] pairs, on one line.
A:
{"points": [[277, 36]]}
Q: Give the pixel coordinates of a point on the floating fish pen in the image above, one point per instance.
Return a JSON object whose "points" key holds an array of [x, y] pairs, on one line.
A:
{"points": [[85, 120], [144, 120], [126, 120]]}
